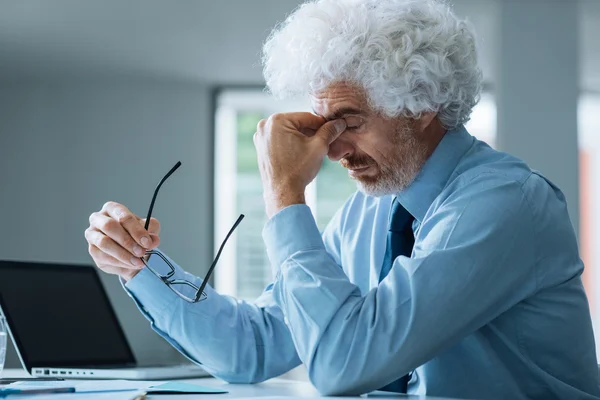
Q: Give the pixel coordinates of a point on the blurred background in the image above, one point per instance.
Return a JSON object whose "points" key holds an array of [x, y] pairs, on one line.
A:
{"points": [[98, 100]]}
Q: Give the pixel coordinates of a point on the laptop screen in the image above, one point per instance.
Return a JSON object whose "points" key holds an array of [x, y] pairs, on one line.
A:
{"points": [[60, 316]]}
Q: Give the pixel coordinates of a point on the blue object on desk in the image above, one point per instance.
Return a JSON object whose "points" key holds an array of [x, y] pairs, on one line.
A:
{"points": [[5, 391], [182, 388]]}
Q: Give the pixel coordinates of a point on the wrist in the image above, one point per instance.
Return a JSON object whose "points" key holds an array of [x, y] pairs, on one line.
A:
{"points": [[278, 200], [129, 274]]}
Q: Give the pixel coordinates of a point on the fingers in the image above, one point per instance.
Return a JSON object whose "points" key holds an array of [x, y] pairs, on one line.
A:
{"points": [[331, 130], [309, 124], [154, 230], [111, 248], [104, 260], [117, 240], [261, 124], [115, 231], [300, 120], [129, 221], [110, 265]]}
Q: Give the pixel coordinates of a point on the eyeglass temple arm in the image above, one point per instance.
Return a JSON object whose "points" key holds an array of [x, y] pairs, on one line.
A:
{"points": [[214, 263], [156, 193]]}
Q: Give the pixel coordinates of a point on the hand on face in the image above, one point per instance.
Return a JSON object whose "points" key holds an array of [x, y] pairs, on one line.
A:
{"points": [[117, 240], [290, 149]]}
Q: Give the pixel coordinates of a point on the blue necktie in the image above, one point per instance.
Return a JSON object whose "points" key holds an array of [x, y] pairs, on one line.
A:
{"points": [[400, 242]]}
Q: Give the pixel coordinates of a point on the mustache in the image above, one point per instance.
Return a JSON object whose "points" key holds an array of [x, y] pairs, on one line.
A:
{"points": [[356, 162]]}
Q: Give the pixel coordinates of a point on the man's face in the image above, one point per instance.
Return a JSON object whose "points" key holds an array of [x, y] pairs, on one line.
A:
{"points": [[383, 155]]}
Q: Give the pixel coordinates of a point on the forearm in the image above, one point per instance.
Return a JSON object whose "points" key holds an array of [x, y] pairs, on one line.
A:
{"points": [[235, 341], [349, 345], [332, 324]]}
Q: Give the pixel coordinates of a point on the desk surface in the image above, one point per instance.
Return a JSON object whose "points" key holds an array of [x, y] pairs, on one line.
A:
{"points": [[272, 389]]}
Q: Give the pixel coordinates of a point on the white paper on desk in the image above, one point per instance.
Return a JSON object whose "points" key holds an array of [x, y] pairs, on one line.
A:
{"points": [[84, 396], [90, 386]]}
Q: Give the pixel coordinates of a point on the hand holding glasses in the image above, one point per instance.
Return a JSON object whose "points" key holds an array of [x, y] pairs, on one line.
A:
{"points": [[162, 267]]}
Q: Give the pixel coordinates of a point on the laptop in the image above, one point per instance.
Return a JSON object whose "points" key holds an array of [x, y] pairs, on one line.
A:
{"points": [[63, 325]]}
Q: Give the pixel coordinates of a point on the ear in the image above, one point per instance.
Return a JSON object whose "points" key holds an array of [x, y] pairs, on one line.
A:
{"points": [[426, 120]]}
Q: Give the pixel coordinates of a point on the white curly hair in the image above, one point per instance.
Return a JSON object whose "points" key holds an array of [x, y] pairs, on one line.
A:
{"points": [[409, 56]]}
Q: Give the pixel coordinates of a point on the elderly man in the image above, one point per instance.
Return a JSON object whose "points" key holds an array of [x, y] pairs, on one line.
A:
{"points": [[453, 271]]}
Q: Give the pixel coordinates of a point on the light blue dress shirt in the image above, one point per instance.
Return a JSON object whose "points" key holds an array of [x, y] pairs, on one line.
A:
{"points": [[490, 305]]}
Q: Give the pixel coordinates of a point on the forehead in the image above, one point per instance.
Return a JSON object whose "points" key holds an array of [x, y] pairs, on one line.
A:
{"points": [[339, 96]]}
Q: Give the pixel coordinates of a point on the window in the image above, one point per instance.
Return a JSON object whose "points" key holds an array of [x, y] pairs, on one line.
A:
{"points": [[238, 189], [482, 124], [589, 225], [245, 272]]}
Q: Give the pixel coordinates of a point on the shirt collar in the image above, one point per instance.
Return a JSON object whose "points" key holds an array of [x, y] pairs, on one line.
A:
{"points": [[429, 182]]}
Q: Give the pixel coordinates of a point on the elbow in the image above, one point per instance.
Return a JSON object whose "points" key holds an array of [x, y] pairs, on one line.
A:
{"points": [[334, 374], [239, 375], [255, 377], [329, 382], [328, 389], [334, 388]]}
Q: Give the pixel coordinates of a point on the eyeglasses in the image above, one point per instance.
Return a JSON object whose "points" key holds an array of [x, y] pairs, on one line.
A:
{"points": [[185, 289]]}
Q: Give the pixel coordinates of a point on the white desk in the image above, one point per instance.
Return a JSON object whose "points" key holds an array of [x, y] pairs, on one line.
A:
{"points": [[272, 389]]}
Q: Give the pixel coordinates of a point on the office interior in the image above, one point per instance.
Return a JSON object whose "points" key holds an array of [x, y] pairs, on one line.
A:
{"points": [[99, 98]]}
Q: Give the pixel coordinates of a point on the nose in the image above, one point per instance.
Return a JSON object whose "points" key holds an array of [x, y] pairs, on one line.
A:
{"points": [[340, 148]]}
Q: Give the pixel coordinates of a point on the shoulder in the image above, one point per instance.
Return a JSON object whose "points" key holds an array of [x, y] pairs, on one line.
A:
{"points": [[485, 187], [499, 179], [484, 201], [489, 175]]}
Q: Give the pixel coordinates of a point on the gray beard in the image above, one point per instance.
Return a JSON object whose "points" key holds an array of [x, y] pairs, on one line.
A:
{"points": [[396, 176], [393, 183]]}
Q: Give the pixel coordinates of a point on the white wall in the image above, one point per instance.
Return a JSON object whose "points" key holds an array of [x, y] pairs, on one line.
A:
{"points": [[538, 90]]}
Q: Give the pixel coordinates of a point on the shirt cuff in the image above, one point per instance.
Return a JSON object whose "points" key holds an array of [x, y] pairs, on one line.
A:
{"points": [[149, 292], [291, 230]]}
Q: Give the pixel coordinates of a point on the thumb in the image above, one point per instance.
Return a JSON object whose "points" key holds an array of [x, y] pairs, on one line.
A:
{"points": [[331, 130]]}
